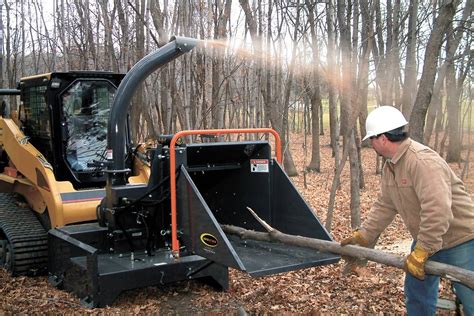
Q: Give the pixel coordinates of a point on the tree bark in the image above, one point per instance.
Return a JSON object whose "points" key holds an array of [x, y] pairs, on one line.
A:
{"points": [[363, 77], [355, 181], [349, 106], [222, 14], [453, 86], [332, 75], [425, 90], [453, 110], [313, 87], [435, 104], [450, 272], [290, 167], [409, 85]]}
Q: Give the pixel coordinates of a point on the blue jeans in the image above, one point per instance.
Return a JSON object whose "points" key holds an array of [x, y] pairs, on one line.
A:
{"points": [[421, 296]]}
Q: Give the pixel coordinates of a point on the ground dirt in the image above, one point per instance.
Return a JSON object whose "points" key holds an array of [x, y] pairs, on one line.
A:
{"points": [[320, 290]]}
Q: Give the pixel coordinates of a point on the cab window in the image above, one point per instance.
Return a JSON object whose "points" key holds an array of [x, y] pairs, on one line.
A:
{"points": [[86, 106]]}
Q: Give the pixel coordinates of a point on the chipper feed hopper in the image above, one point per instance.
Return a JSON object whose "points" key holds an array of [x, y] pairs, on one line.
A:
{"points": [[168, 228]]}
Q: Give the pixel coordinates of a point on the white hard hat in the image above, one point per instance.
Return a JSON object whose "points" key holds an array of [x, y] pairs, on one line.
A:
{"points": [[383, 119]]}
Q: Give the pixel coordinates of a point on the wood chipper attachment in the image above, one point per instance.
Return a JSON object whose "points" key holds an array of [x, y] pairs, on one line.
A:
{"points": [[154, 234], [218, 181], [169, 229]]}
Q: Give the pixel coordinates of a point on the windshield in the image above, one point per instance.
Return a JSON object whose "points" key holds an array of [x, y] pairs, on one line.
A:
{"points": [[86, 106]]}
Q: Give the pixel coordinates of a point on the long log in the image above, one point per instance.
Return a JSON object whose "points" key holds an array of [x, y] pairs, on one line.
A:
{"points": [[447, 271]]}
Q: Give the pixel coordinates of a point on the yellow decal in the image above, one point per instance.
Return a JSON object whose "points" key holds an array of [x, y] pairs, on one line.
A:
{"points": [[209, 240]]}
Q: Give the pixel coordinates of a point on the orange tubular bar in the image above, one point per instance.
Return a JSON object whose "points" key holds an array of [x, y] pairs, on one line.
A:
{"points": [[174, 222]]}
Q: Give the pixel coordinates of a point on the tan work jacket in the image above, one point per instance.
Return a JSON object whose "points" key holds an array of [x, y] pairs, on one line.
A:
{"points": [[432, 201]]}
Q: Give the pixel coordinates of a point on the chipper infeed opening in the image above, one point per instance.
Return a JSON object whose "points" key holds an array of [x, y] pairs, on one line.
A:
{"points": [[217, 182]]}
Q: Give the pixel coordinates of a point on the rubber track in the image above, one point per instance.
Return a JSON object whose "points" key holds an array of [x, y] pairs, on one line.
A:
{"points": [[26, 234]]}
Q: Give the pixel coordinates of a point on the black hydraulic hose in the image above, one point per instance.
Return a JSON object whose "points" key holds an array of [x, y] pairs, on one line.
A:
{"points": [[149, 236], [125, 232]]}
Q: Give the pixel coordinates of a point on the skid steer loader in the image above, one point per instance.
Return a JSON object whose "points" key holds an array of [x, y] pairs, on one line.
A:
{"points": [[101, 215]]}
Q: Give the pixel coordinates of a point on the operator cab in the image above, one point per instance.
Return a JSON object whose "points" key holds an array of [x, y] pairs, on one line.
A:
{"points": [[65, 116]]}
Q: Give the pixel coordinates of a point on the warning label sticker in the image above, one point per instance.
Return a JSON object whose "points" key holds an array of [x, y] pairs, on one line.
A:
{"points": [[259, 165]]}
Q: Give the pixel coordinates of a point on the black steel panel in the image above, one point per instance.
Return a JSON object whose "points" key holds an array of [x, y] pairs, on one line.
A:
{"points": [[97, 279], [197, 223], [228, 192], [81, 196], [225, 153], [223, 184], [266, 258], [292, 215]]}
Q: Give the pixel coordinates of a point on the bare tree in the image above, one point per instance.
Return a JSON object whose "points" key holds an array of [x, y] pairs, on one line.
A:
{"points": [[349, 110], [221, 17], [409, 84], [454, 87], [425, 89], [332, 76], [270, 108], [314, 90], [362, 84]]}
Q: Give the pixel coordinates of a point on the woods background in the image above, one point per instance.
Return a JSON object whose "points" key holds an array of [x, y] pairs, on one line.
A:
{"points": [[301, 66]]}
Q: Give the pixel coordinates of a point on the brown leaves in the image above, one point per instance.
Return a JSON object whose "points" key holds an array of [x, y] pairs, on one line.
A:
{"points": [[375, 289]]}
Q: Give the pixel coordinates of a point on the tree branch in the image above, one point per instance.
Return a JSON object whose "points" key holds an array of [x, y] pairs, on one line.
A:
{"points": [[450, 272]]}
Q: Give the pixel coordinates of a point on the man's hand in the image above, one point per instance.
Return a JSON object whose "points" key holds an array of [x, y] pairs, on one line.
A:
{"points": [[415, 262], [354, 265], [356, 239]]}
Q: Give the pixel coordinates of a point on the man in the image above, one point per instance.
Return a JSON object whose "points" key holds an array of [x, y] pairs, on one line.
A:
{"points": [[419, 185]]}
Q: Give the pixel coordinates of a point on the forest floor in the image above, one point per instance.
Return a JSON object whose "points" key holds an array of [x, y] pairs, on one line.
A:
{"points": [[376, 289]]}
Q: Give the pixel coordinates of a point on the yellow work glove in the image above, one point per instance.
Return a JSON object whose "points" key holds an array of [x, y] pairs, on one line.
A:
{"points": [[356, 239], [415, 262], [353, 265]]}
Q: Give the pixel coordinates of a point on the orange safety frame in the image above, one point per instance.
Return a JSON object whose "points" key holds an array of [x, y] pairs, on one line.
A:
{"points": [[174, 220]]}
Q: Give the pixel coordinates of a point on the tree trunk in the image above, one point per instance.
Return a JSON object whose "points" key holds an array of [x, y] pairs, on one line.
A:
{"points": [[290, 167], [453, 87], [257, 42], [363, 77], [355, 182], [450, 272], [409, 85], [452, 106], [435, 104], [349, 107], [345, 92], [333, 75], [379, 57], [222, 14], [425, 89], [315, 93]]}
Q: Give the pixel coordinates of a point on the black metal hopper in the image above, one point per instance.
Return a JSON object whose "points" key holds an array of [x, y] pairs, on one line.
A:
{"points": [[217, 184]]}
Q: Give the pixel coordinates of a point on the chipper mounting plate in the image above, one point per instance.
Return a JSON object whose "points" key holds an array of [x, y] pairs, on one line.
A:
{"points": [[98, 278]]}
